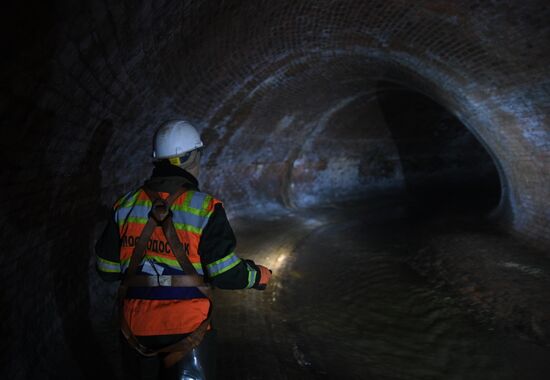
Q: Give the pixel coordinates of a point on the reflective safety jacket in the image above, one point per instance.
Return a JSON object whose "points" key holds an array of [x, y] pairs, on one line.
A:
{"points": [[207, 238]]}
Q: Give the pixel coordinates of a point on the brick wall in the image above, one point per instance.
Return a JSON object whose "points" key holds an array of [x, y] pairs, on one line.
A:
{"points": [[84, 85]]}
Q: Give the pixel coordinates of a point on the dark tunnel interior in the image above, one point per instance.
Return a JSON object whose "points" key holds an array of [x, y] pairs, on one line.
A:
{"points": [[444, 165], [389, 161]]}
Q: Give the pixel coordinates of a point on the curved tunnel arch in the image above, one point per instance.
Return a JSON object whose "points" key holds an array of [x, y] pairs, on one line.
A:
{"points": [[379, 70], [447, 68], [88, 83]]}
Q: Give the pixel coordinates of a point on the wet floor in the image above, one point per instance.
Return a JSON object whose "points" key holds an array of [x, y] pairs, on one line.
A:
{"points": [[345, 304]]}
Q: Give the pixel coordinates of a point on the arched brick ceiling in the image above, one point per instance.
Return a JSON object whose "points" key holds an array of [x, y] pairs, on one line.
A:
{"points": [[130, 66], [85, 84]]}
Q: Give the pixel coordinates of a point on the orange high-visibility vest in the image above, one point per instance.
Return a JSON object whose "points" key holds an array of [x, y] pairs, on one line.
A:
{"points": [[163, 310]]}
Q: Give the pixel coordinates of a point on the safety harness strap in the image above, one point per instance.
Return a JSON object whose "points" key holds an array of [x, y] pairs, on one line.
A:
{"points": [[183, 260], [159, 211], [161, 214], [173, 240]]}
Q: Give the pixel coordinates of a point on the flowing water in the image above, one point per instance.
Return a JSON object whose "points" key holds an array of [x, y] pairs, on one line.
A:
{"points": [[344, 304]]}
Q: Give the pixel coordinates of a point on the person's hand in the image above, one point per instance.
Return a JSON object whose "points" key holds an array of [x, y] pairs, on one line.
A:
{"points": [[265, 276]]}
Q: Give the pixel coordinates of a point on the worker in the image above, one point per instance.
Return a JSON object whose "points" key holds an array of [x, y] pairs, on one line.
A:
{"points": [[169, 243]]}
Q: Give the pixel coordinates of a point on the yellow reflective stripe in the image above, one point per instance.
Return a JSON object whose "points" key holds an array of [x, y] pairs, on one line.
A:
{"points": [[203, 211], [107, 266], [132, 219], [251, 276], [191, 210], [178, 226], [172, 263], [223, 265], [162, 260], [146, 202], [206, 202], [198, 268], [174, 207], [165, 260], [187, 227], [188, 196], [127, 199]]}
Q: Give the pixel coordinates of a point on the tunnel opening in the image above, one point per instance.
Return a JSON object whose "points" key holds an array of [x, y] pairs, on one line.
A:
{"points": [[444, 165], [392, 140]]}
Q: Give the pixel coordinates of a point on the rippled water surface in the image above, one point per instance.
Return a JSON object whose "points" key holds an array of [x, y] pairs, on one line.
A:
{"points": [[344, 304]]}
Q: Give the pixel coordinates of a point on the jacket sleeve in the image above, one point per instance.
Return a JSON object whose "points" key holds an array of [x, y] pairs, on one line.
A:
{"points": [[222, 267], [107, 251]]}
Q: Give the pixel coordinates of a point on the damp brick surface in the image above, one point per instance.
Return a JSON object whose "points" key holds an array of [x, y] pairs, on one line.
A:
{"points": [[83, 85]]}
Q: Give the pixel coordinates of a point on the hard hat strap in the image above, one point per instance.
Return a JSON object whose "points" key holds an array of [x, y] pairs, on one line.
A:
{"points": [[181, 159]]}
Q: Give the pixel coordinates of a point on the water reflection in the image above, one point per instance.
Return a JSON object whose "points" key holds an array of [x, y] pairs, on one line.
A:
{"points": [[345, 304]]}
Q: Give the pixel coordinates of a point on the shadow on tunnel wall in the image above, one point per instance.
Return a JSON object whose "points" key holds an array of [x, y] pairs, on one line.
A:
{"points": [[47, 329], [444, 166], [50, 210], [71, 256], [46, 216]]}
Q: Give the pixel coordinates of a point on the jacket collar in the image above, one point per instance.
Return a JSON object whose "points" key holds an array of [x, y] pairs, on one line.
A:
{"points": [[165, 172]]}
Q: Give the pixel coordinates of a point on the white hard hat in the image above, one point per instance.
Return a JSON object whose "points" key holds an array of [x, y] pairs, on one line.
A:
{"points": [[175, 138]]}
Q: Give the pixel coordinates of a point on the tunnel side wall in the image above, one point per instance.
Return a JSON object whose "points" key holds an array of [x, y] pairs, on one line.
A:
{"points": [[86, 83]]}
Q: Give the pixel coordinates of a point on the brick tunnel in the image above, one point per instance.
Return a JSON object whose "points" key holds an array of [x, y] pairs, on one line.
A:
{"points": [[426, 119]]}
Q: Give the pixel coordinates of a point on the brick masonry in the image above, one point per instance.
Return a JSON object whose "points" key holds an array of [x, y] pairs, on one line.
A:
{"points": [[84, 85]]}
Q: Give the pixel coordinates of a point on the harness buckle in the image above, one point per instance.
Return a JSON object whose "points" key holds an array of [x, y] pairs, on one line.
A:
{"points": [[160, 210], [164, 280]]}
